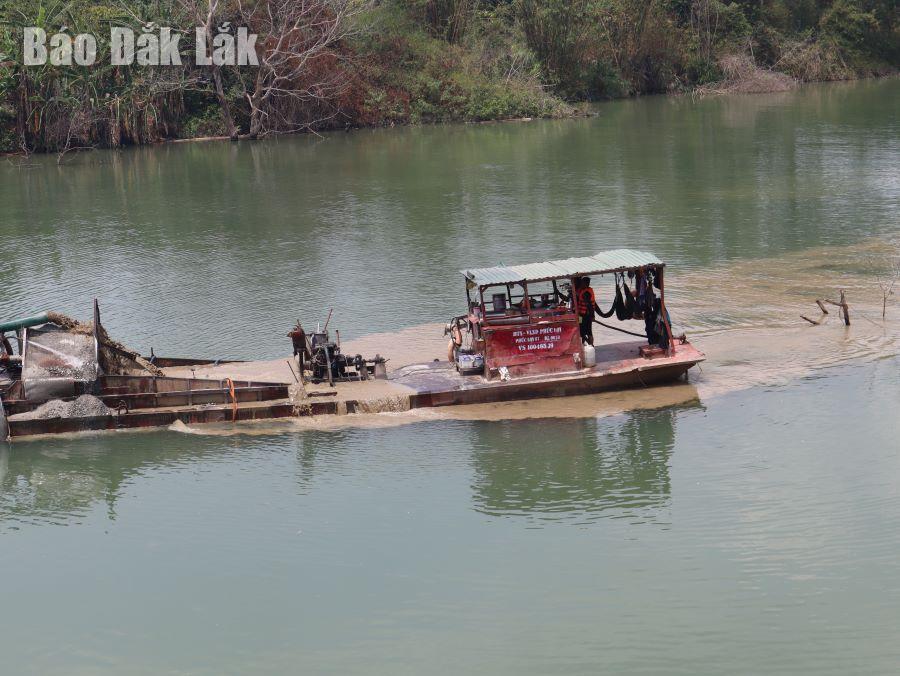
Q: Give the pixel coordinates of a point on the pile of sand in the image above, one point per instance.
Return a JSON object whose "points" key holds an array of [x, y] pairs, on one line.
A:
{"points": [[86, 406]]}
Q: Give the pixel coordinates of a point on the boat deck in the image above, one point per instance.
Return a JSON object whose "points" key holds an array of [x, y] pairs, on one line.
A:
{"points": [[437, 383], [263, 388]]}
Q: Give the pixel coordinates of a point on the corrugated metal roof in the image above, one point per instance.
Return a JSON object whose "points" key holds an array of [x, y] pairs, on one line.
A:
{"points": [[605, 261]]}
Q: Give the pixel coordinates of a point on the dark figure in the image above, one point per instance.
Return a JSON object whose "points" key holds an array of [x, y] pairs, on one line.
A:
{"points": [[301, 346], [587, 306]]}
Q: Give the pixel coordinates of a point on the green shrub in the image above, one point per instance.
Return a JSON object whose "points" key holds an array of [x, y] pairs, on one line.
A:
{"points": [[701, 71], [767, 44], [8, 139], [606, 82], [849, 24], [733, 24], [205, 122]]}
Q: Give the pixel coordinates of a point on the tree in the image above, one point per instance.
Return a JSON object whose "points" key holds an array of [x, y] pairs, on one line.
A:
{"points": [[209, 15], [301, 58]]}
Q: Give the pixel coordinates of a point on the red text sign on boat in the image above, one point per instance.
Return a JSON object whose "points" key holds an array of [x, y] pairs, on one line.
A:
{"points": [[524, 344]]}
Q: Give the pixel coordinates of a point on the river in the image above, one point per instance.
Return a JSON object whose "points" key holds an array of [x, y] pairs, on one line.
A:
{"points": [[745, 522]]}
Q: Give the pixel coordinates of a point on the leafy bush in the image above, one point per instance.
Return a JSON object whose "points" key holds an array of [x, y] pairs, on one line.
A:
{"points": [[8, 140], [701, 71], [205, 122], [849, 24], [729, 22]]}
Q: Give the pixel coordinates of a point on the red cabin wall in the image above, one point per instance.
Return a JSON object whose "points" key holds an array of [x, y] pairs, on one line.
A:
{"points": [[549, 346]]}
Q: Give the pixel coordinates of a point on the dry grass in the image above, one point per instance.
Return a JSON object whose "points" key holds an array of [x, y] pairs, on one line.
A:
{"points": [[813, 61], [743, 76]]}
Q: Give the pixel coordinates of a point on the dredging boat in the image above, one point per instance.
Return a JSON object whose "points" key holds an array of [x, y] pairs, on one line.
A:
{"points": [[534, 337], [527, 333]]}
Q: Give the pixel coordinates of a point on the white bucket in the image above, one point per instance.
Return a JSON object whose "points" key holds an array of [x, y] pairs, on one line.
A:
{"points": [[590, 356]]}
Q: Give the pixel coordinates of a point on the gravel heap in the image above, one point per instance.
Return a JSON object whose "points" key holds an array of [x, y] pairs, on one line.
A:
{"points": [[86, 406]]}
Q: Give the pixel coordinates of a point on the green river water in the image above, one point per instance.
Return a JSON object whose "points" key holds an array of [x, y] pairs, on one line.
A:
{"points": [[753, 526]]}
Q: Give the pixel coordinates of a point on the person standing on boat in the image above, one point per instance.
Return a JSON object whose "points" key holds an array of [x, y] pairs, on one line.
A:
{"points": [[587, 306], [301, 347]]}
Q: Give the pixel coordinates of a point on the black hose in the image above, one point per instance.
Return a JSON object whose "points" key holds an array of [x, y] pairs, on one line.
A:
{"points": [[615, 328], [609, 314]]}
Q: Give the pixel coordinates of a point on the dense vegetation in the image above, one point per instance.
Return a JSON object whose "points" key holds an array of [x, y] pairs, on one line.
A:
{"points": [[339, 63]]}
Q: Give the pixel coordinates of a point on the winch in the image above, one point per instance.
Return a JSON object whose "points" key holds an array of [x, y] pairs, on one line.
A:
{"points": [[322, 358]]}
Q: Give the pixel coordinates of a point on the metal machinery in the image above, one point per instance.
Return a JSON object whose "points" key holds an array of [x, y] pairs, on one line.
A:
{"points": [[11, 364], [322, 358], [465, 349]]}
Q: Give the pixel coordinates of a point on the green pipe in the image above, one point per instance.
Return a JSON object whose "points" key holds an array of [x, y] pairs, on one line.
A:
{"points": [[25, 322]]}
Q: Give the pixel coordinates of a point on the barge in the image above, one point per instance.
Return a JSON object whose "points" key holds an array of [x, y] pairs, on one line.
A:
{"points": [[527, 333]]}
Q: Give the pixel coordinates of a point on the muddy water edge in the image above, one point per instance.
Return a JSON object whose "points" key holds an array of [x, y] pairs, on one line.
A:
{"points": [[745, 522]]}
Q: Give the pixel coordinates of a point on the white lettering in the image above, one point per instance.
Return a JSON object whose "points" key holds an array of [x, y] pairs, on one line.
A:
{"points": [[85, 49], [33, 46], [152, 46], [168, 48], [246, 48], [223, 50], [60, 50], [147, 49], [121, 44], [201, 58]]}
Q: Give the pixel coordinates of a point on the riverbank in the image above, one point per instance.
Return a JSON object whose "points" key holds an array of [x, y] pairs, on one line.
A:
{"points": [[408, 63], [742, 80]]}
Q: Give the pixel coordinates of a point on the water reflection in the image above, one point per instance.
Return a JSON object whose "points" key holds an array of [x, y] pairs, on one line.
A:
{"points": [[576, 469], [568, 469], [61, 481], [4, 462]]}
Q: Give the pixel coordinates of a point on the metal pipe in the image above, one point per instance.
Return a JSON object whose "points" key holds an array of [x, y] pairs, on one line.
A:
{"points": [[25, 322]]}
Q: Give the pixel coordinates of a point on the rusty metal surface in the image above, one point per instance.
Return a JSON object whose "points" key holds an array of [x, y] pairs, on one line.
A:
{"points": [[145, 419], [144, 384], [179, 398], [550, 388], [157, 391], [166, 362]]}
